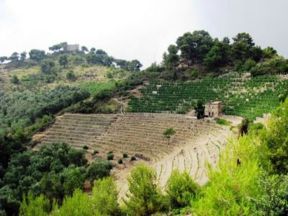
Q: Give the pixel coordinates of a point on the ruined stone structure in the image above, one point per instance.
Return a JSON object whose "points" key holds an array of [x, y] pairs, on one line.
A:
{"points": [[71, 48], [213, 109]]}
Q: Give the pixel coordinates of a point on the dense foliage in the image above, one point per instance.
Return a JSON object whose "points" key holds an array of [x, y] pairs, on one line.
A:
{"points": [[55, 171], [248, 180], [21, 109]]}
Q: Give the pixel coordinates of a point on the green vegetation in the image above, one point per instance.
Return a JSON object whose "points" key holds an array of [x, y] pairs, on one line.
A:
{"points": [[243, 97], [250, 179], [221, 121], [96, 87], [21, 109], [55, 171]]}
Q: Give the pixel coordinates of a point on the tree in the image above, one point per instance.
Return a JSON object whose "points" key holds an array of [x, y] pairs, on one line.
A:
{"points": [[23, 56], [242, 46], [168, 133], [171, 59], [275, 199], [37, 55], [144, 197], [63, 60], [98, 169], [218, 55], [48, 67], [194, 46], [276, 139], [14, 58], [32, 206], [104, 197], [134, 65], [200, 109], [58, 47], [3, 59], [181, 189], [73, 178], [84, 49], [269, 52]]}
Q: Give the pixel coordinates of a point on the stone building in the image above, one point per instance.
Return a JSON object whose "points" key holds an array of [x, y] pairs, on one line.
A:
{"points": [[71, 48], [213, 109]]}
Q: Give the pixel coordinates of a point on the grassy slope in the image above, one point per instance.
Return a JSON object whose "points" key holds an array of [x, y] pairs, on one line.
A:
{"points": [[90, 78]]}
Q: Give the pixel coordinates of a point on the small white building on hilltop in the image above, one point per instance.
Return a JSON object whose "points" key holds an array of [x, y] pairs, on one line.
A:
{"points": [[71, 48], [213, 109]]}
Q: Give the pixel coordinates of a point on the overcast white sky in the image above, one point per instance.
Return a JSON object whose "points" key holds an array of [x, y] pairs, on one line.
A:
{"points": [[140, 29]]}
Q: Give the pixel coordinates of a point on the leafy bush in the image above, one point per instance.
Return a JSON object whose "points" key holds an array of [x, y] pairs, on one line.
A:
{"points": [[32, 206], [275, 139], [15, 80], [275, 198], [22, 109], [54, 171], [48, 67], [110, 156], [276, 65], [181, 189], [104, 197], [71, 76], [222, 121], [144, 195], [98, 169]]}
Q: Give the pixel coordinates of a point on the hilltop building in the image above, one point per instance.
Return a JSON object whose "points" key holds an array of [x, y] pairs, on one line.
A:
{"points": [[213, 109], [71, 48]]}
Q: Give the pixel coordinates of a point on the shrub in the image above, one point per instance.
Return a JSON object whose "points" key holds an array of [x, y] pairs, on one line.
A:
{"points": [[71, 76], [125, 155], [15, 80], [110, 156], [145, 197], [48, 67], [276, 65], [169, 132], [31, 206], [181, 189], [95, 152], [104, 197], [275, 199], [85, 147], [78, 204], [120, 161], [98, 169], [222, 121], [133, 158]]}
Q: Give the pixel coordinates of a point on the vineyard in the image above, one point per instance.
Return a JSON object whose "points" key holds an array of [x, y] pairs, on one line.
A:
{"points": [[248, 97], [141, 136]]}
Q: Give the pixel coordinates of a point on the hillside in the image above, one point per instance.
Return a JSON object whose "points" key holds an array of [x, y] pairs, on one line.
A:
{"points": [[73, 117], [141, 136], [242, 95]]}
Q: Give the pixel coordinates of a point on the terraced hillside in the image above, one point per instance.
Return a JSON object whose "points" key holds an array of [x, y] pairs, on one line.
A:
{"points": [[195, 142], [78, 130], [139, 134], [242, 95]]}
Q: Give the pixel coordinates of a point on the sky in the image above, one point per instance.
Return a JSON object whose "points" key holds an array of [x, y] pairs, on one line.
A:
{"points": [[137, 29]]}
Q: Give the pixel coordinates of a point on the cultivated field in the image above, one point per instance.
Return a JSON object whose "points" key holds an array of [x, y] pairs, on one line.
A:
{"points": [[194, 144], [245, 96]]}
